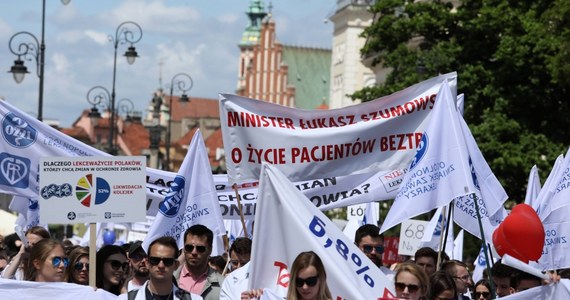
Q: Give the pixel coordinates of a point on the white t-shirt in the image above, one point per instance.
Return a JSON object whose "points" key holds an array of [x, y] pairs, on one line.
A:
{"points": [[235, 283]]}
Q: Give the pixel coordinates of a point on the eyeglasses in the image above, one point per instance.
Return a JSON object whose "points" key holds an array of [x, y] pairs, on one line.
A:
{"points": [[412, 288], [479, 294], [464, 277], [368, 249], [310, 281], [56, 261], [154, 261], [79, 266], [116, 264], [137, 257], [189, 248]]}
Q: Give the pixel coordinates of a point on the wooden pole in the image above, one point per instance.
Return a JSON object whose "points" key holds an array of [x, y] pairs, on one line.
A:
{"points": [[92, 254]]}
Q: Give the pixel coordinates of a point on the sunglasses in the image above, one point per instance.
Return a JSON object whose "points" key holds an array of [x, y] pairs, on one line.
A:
{"points": [[56, 261], [412, 288], [310, 281], [189, 248], [154, 261], [479, 294], [138, 256], [116, 265], [368, 249], [79, 266]]}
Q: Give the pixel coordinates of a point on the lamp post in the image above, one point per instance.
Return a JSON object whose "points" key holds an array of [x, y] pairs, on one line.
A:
{"points": [[184, 83], [127, 32], [96, 96], [126, 107], [33, 49]]}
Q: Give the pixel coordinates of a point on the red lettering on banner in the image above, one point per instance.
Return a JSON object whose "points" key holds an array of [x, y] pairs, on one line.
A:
{"points": [[245, 119], [283, 276], [400, 110], [404, 141], [394, 174], [332, 152], [327, 122]]}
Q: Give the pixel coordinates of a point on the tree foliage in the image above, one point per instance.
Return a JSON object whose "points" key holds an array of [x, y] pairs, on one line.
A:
{"points": [[513, 64]]}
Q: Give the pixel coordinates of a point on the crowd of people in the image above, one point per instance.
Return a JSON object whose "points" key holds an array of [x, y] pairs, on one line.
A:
{"points": [[165, 272]]}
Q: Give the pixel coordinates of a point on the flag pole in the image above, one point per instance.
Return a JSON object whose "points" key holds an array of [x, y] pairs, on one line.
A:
{"points": [[441, 237], [487, 262], [238, 197], [448, 223], [92, 253]]}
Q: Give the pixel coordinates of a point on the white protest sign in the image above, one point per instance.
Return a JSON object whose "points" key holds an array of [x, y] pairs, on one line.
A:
{"points": [[92, 189], [356, 212], [379, 135], [411, 234]]}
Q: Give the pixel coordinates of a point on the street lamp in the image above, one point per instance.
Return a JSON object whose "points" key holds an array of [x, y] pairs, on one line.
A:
{"points": [[32, 49], [127, 32], [184, 83], [126, 107], [96, 96]]}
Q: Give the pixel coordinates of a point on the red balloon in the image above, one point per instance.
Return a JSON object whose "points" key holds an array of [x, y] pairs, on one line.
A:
{"points": [[521, 234]]}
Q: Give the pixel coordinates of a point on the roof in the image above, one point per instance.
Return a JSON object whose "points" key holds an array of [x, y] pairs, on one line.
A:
{"points": [[136, 137], [196, 108], [309, 72], [213, 142]]}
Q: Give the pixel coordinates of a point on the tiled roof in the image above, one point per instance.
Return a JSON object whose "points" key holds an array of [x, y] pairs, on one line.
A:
{"points": [[309, 73], [213, 142], [196, 108], [184, 141], [136, 137]]}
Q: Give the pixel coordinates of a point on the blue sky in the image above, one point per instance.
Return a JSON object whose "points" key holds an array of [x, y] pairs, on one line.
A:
{"points": [[196, 37]]}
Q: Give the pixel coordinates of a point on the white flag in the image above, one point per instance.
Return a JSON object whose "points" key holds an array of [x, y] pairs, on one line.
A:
{"points": [[460, 103], [437, 227], [546, 192], [440, 169], [556, 291], [28, 212], [191, 200], [287, 224], [458, 247], [557, 240], [556, 192], [532, 188], [29, 290]]}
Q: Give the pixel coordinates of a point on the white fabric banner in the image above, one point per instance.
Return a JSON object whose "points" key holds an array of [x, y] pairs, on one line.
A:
{"points": [[457, 252], [552, 291], [191, 199], [287, 224], [545, 192], [533, 188], [440, 170], [28, 290], [557, 240], [556, 192], [28, 212], [380, 135], [437, 228]]}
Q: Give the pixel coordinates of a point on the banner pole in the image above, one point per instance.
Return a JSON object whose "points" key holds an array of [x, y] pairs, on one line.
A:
{"points": [[487, 262], [92, 253], [234, 186], [441, 238], [448, 223]]}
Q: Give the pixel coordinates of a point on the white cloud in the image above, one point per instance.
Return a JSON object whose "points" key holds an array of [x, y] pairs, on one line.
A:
{"points": [[228, 18], [98, 37], [61, 64]]}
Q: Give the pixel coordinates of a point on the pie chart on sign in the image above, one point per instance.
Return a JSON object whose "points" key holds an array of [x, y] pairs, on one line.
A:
{"points": [[92, 194]]}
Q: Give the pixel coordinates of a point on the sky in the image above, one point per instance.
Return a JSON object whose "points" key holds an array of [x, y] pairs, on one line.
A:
{"points": [[198, 37]]}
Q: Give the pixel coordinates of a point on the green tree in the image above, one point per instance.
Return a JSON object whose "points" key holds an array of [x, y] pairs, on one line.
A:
{"points": [[513, 64]]}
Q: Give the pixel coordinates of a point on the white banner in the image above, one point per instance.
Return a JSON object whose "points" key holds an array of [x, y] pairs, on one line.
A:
{"points": [[556, 192], [440, 170], [557, 240], [533, 188], [28, 290], [191, 199], [380, 135], [92, 189], [552, 291], [287, 224]]}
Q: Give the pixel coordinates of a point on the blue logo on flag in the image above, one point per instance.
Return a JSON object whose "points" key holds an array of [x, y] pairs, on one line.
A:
{"points": [[422, 149], [14, 170], [170, 206], [17, 132], [474, 174], [33, 204]]}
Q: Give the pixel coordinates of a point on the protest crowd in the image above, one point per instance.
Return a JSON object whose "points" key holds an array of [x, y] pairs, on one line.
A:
{"points": [[291, 249]]}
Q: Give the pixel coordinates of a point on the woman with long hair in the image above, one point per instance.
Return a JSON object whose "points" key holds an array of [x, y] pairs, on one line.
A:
{"points": [[442, 286], [78, 270], [47, 262], [112, 265], [411, 281], [308, 279], [482, 290]]}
